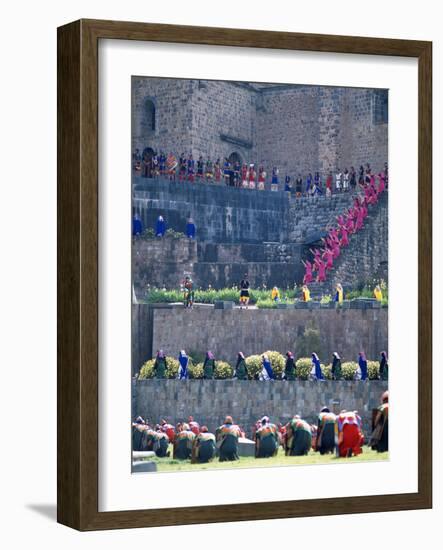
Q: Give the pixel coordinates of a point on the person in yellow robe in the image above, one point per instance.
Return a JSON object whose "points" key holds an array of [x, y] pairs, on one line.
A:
{"points": [[378, 294], [305, 294], [275, 294], [338, 294]]}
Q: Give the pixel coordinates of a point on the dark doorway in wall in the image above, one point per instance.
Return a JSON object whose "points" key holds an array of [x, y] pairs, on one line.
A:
{"points": [[150, 115]]}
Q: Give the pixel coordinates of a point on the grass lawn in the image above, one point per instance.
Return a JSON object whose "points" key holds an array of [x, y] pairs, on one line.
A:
{"points": [[170, 465]]}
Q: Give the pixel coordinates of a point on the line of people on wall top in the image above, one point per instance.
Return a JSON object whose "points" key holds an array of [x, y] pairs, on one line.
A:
{"points": [[267, 373], [249, 175], [341, 434]]}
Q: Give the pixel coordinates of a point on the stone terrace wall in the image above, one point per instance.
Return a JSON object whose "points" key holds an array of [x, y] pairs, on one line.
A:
{"points": [[230, 215], [210, 400], [226, 332]]}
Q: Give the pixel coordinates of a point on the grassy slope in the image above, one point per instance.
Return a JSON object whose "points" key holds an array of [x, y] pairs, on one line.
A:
{"points": [[170, 465]]}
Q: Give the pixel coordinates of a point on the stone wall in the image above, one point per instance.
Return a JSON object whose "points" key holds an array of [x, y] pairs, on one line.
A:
{"points": [[226, 332], [210, 400], [297, 128]]}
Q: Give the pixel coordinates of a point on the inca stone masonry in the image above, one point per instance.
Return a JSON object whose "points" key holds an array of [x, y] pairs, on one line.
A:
{"points": [[294, 127]]}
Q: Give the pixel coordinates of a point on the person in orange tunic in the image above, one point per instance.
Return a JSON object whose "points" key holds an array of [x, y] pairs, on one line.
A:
{"points": [[350, 436]]}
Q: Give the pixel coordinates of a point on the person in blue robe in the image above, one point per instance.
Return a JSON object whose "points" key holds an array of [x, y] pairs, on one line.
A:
{"points": [[160, 227], [309, 183], [363, 364], [183, 359], [267, 373], [137, 225], [190, 229], [317, 367]]}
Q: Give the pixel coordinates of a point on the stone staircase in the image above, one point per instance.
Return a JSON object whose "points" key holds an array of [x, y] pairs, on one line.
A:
{"points": [[364, 259]]}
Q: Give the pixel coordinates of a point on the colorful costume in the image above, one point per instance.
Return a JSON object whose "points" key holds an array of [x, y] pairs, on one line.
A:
{"points": [[266, 440], [160, 365], [350, 437], [326, 432], [336, 367], [227, 441], [380, 430], [298, 437], [241, 369], [188, 292], [161, 444], [209, 366], [203, 449], [183, 360], [290, 369], [275, 294], [244, 292], [266, 373], [383, 371], [183, 444], [160, 227]]}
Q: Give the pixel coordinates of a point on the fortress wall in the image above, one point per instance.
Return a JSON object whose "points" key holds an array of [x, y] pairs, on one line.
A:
{"points": [[210, 400], [226, 332]]}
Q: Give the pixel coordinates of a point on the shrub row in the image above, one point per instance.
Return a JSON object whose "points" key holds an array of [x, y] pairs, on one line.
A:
{"points": [[223, 370]]}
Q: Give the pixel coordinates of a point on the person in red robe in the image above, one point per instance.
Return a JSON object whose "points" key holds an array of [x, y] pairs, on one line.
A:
{"points": [[350, 436], [308, 278]]}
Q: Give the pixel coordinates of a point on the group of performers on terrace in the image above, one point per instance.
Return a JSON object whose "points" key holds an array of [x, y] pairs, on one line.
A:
{"points": [[338, 237], [241, 372], [341, 434], [250, 175]]}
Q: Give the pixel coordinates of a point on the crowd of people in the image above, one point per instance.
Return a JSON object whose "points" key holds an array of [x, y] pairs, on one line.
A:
{"points": [[241, 372], [249, 175], [338, 236], [341, 434]]}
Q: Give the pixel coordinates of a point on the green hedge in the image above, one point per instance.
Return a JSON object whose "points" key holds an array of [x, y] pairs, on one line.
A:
{"points": [[147, 370]]}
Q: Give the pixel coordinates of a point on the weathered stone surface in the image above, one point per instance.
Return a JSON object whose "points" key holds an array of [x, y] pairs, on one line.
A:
{"points": [[210, 400], [226, 332]]}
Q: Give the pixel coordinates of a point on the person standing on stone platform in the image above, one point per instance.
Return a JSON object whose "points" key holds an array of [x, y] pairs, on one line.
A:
{"points": [[326, 428], [361, 176], [338, 181], [171, 165], [267, 372], [352, 179], [191, 168], [329, 185], [274, 180], [209, 170], [383, 371], [200, 167], [217, 171], [182, 167], [346, 180], [236, 173], [227, 171], [188, 287], [183, 442], [244, 176], [241, 369], [316, 367], [209, 366], [244, 291], [336, 366], [298, 437], [266, 439], [137, 226], [363, 365], [160, 365], [317, 183], [252, 176], [203, 447], [190, 229], [261, 179], [227, 440], [162, 163], [183, 360], [288, 187], [308, 184], [290, 370], [160, 227], [298, 186]]}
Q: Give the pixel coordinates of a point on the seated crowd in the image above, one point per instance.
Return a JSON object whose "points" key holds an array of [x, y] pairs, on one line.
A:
{"points": [[341, 434]]}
